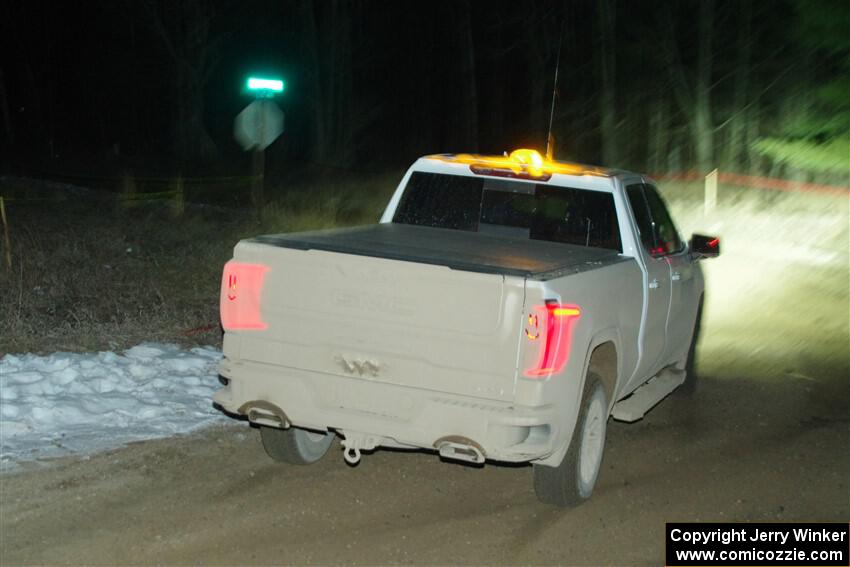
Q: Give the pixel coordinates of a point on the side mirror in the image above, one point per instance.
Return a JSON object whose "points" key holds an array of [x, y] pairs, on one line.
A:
{"points": [[705, 246]]}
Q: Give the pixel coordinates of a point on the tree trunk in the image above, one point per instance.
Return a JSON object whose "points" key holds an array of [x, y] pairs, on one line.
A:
{"points": [[540, 62], [327, 42], [318, 151], [4, 111], [607, 60], [346, 115], [702, 129], [754, 159], [494, 122], [736, 157], [184, 29], [199, 142], [469, 95], [336, 82], [659, 135]]}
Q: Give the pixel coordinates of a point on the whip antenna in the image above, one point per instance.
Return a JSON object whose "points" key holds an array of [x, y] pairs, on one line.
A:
{"points": [[550, 140]]}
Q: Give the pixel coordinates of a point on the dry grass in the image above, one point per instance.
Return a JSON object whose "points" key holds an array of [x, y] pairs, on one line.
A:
{"points": [[84, 280], [89, 276]]}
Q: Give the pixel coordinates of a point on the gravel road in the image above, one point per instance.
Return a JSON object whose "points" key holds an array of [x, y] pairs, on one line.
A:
{"points": [[745, 448]]}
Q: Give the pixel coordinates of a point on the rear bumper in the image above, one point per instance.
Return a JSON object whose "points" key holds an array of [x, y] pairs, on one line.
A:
{"points": [[395, 416]]}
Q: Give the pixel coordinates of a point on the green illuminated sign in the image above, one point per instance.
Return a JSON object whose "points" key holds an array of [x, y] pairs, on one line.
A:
{"points": [[265, 86]]}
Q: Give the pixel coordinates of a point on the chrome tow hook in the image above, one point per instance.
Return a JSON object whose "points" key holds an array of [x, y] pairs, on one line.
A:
{"points": [[351, 455], [354, 442]]}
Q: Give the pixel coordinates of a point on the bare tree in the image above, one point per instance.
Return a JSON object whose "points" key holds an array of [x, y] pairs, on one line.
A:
{"points": [[185, 31], [4, 111], [327, 45], [694, 95], [659, 133], [469, 94], [736, 156], [703, 130], [607, 61], [32, 53], [310, 47]]}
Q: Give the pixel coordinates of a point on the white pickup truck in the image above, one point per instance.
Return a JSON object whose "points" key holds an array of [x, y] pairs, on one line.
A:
{"points": [[503, 308]]}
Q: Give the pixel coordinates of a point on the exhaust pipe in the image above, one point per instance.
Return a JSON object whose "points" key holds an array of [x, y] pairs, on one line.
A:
{"points": [[460, 449], [262, 412]]}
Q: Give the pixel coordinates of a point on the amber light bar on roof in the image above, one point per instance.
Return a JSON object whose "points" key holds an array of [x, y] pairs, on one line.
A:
{"points": [[522, 164]]}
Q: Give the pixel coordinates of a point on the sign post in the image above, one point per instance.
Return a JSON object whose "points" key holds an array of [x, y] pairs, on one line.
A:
{"points": [[710, 191], [256, 127]]}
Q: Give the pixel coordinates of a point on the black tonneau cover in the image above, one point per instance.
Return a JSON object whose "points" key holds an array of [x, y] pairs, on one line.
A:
{"points": [[457, 249]]}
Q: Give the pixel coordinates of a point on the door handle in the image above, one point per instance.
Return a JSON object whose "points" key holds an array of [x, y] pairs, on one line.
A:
{"points": [[675, 276], [653, 284]]}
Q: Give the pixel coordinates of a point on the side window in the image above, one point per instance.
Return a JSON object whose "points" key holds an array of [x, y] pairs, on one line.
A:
{"points": [[666, 235], [573, 216], [642, 218]]}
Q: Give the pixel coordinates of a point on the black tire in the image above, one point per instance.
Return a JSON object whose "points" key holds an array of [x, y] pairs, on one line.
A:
{"points": [[689, 386], [572, 482], [294, 445]]}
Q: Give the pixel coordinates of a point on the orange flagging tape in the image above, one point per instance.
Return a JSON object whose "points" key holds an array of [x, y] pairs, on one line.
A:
{"points": [[202, 329], [759, 182]]}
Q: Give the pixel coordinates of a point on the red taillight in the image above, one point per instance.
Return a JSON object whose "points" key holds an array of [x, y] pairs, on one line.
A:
{"points": [[241, 285], [553, 324]]}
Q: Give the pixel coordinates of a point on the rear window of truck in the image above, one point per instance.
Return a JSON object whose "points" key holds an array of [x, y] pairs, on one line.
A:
{"points": [[512, 209]]}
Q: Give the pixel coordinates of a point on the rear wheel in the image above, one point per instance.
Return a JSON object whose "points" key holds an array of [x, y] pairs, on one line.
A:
{"points": [[572, 482], [294, 445]]}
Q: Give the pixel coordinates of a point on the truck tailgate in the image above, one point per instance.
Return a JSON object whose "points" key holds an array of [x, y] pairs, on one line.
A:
{"points": [[385, 320]]}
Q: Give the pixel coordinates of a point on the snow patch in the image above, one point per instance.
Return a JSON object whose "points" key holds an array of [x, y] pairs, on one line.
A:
{"points": [[68, 403]]}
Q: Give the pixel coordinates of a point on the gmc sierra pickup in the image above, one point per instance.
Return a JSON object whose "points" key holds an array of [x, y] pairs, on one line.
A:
{"points": [[503, 309]]}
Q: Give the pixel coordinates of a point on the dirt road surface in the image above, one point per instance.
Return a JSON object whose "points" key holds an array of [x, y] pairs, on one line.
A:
{"points": [[743, 449]]}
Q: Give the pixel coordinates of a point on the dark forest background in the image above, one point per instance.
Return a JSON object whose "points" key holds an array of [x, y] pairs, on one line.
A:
{"points": [[747, 86]]}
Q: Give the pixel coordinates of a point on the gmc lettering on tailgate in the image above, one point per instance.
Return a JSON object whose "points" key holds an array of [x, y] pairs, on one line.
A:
{"points": [[371, 302]]}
